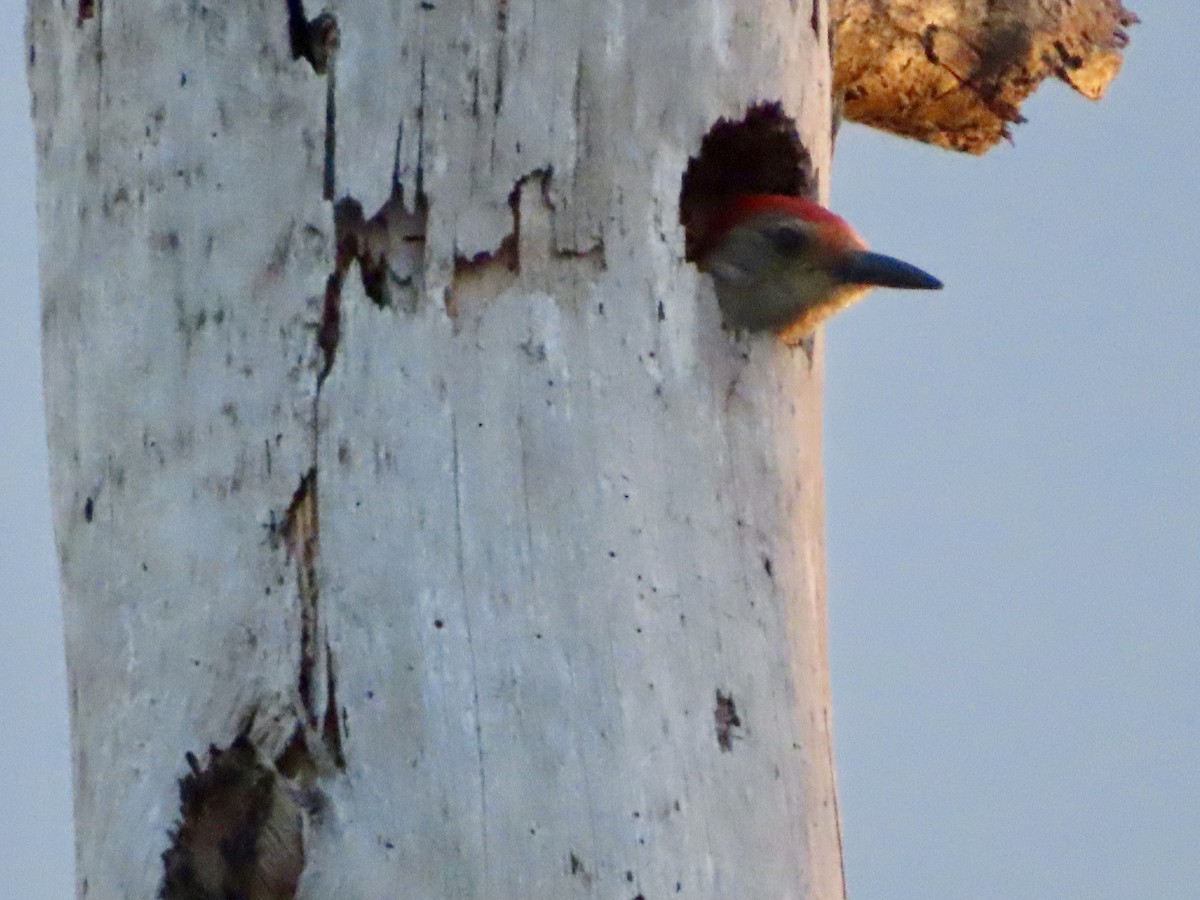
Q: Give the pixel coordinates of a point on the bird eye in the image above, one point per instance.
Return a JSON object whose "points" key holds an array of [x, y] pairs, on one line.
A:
{"points": [[788, 239]]}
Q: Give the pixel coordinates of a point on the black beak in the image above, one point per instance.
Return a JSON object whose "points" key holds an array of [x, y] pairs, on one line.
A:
{"points": [[864, 267]]}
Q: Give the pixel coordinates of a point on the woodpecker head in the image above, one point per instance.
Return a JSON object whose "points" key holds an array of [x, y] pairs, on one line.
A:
{"points": [[786, 264]]}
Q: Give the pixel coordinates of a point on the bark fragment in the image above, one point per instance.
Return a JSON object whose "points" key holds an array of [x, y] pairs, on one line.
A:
{"points": [[241, 831], [955, 72]]}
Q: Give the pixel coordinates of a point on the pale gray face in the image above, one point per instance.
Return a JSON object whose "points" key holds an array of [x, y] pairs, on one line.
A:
{"points": [[769, 271], [776, 272]]}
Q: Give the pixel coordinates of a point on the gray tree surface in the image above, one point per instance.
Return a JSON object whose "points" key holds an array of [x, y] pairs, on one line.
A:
{"points": [[414, 509]]}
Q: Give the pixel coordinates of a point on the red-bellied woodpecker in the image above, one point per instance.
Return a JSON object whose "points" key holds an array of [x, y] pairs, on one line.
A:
{"points": [[786, 264]]}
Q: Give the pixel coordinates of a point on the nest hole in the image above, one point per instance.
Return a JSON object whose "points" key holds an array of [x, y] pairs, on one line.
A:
{"points": [[760, 153]]}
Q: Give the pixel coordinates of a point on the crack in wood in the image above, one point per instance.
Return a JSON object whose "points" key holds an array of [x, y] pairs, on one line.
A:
{"points": [[300, 533], [317, 41], [301, 537], [333, 722], [329, 169], [501, 55]]}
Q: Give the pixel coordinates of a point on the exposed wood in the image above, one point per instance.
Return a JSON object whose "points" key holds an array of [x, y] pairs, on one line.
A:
{"points": [[955, 72]]}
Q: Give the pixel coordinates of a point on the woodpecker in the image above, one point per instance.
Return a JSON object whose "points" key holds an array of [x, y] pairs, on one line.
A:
{"points": [[786, 264]]}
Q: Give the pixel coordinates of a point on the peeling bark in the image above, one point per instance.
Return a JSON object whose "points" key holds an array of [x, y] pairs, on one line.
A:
{"points": [[240, 832], [955, 72]]}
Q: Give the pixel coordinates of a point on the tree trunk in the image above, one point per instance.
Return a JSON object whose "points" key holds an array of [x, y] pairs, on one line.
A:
{"points": [[403, 471]]}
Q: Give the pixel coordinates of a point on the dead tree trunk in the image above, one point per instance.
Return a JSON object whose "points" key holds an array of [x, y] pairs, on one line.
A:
{"points": [[403, 472]]}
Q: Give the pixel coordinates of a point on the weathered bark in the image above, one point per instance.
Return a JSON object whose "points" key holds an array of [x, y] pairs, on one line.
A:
{"points": [[955, 72], [398, 454]]}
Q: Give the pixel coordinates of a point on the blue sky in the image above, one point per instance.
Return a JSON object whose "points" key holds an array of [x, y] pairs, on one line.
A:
{"points": [[1014, 502], [1013, 507]]}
